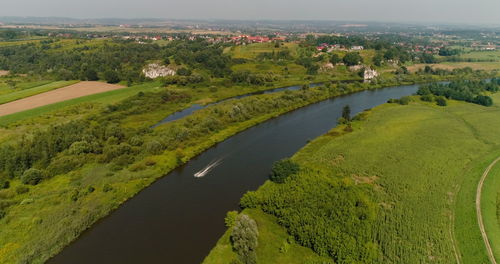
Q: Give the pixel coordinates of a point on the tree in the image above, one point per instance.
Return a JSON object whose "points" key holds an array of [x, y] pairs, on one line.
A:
{"points": [[283, 169], [90, 75], [377, 60], [346, 113], [244, 238], [111, 76], [335, 59], [230, 219], [428, 58], [352, 58]]}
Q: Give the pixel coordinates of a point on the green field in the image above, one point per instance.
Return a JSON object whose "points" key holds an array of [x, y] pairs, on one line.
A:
{"points": [[482, 55], [251, 51], [419, 163], [490, 207]]}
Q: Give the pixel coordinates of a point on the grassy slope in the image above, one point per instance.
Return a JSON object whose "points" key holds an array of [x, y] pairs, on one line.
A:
{"points": [[5, 98], [416, 157]]}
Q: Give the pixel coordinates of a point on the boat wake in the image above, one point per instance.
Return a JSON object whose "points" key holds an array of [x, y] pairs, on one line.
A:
{"points": [[207, 169]]}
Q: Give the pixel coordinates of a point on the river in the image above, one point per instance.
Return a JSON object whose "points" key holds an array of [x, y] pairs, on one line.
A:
{"points": [[179, 218]]}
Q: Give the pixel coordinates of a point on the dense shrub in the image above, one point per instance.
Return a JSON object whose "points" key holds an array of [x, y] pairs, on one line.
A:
{"points": [[32, 177], [441, 101], [244, 238], [230, 218], [469, 91], [282, 170], [332, 217], [427, 98], [404, 100], [4, 184], [22, 189]]}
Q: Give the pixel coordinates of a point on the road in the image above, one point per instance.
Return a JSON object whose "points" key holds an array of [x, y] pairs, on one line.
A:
{"points": [[478, 211]]}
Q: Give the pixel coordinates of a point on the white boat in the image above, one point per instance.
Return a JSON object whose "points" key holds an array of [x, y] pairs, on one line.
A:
{"points": [[207, 169]]}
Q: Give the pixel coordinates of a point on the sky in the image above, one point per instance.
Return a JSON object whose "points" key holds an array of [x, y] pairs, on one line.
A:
{"points": [[446, 11]]}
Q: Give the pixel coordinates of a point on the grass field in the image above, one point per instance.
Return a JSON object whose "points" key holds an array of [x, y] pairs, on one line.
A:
{"points": [[26, 92], [458, 65], [490, 206], [422, 163], [251, 51], [482, 55]]}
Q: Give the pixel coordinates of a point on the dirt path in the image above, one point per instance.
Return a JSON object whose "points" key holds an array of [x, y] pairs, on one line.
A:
{"points": [[480, 216], [62, 94]]}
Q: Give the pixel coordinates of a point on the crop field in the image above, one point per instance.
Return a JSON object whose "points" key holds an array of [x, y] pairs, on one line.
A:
{"points": [[45, 114], [55, 96], [420, 164], [23, 92]]}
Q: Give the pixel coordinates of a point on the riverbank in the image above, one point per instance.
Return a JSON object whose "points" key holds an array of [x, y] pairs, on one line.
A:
{"points": [[416, 197]]}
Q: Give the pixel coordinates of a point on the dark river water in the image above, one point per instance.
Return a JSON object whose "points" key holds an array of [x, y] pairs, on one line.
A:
{"points": [[179, 218]]}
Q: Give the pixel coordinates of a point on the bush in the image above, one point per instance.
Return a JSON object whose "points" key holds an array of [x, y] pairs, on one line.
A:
{"points": [[244, 238], [107, 187], [4, 184], [2, 214], [404, 100], [22, 189], [441, 101], [427, 98], [154, 147], [32, 177], [230, 218], [283, 169]]}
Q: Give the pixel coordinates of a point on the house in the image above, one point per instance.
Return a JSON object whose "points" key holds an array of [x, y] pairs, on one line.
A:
{"points": [[357, 48]]}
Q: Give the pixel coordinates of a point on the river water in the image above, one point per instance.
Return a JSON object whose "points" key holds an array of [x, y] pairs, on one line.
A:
{"points": [[179, 218]]}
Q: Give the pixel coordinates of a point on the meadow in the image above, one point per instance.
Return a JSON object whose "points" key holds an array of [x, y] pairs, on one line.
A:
{"points": [[419, 164]]}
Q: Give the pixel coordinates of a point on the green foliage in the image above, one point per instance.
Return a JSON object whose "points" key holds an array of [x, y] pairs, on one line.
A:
{"points": [[32, 176], [4, 184], [469, 91], [352, 59], [22, 189], [335, 59], [111, 76], [427, 98], [230, 218], [346, 112], [282, 170], [244, 238], [405, 100], [441, 101]]}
